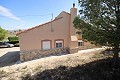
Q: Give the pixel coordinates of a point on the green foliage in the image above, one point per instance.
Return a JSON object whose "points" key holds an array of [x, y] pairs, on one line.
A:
{"points": [[99, 21], [3, 34], [13, 38], [91, 33]]}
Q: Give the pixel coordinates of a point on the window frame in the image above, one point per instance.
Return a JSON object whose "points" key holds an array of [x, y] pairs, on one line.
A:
{"points": [[59, 40], [81, 43]]}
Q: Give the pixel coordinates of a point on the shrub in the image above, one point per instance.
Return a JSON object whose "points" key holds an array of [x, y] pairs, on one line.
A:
{"points": [[15, 38]]}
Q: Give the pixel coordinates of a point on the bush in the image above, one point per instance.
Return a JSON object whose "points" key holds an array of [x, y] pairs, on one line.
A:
{"points": [[11, 39]]}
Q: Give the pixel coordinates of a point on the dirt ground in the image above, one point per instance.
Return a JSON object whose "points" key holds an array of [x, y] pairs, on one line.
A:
{"points": [[15, 72]]}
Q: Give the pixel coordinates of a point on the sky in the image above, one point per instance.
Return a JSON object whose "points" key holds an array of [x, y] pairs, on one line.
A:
{"points": [[24, 14]]}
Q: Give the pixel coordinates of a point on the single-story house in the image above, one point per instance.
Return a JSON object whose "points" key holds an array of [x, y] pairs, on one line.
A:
{"points": [[58, 33]]}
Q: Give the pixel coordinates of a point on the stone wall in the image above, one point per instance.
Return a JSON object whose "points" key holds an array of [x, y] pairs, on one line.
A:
{"points": [[36, 54]]}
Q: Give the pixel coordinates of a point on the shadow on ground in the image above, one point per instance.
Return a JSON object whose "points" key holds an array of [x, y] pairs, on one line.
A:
{"points": [[9, 58], [97, 70]]}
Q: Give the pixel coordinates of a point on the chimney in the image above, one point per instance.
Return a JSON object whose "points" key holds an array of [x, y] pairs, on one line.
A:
{"points": [[73, 39], [73, 14], [73, 5]]}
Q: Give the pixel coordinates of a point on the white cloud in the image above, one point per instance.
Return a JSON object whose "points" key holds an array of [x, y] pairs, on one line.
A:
{"points": [[6, 12]]}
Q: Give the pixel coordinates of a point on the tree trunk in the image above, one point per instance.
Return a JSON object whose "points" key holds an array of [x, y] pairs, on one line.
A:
{"points": [[115, 63], [116, 57]]}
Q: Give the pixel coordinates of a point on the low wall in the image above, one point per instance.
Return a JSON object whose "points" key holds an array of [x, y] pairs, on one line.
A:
{"points": [[36, 54]]}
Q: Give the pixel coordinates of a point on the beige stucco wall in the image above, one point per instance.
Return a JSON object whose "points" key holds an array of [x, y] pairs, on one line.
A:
{"points": [[88, 44], [31, 39]]}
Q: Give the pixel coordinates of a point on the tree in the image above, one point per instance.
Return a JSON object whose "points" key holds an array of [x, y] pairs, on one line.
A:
{"points": [[3, 34], [99, 21]]}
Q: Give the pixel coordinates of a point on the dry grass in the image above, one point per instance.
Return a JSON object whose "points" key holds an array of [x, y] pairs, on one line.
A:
{"points": [[96, 70], [3, 73]]}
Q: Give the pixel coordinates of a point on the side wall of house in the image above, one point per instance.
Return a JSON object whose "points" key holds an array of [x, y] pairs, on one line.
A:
{"points": [[58, 29]]}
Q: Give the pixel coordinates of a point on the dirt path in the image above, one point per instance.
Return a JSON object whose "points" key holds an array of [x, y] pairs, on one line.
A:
{"points": [[31, 67], [9, 56]]}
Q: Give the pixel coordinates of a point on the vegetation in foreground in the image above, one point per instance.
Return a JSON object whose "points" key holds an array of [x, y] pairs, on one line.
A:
{"points": [[101, 18], [101, 69], [3, 34]]}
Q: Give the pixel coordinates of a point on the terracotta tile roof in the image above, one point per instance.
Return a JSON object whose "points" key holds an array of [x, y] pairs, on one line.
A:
{"points": [[38, 26]]}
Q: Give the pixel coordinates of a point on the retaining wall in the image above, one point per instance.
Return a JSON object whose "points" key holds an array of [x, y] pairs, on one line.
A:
{"points": [[36, 54]]}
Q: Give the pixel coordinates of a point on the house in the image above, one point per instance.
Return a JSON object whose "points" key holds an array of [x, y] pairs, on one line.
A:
{"points": [[58, 33]]}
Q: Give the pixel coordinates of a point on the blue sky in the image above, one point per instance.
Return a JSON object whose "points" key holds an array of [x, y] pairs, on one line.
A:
{"points": [[23, 14]]}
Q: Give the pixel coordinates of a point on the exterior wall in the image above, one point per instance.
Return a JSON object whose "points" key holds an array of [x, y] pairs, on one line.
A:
{"points": [[31, 40], [88, 44], [74, 44]]}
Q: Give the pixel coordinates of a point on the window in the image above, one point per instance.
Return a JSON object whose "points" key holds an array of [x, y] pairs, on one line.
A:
{"points": [[59, 44], [46, 44], [80, 43]]}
